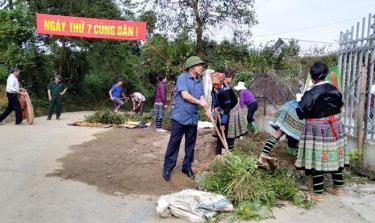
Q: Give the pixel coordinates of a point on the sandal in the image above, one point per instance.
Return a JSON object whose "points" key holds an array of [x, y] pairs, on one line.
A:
{"points": [[316, 197], [262, 161], [335, 191], [263, 165], [309, 183], [265, 157], [266, 161]]}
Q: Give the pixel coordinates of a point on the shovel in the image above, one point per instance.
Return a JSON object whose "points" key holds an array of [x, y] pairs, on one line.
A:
{"points": [[221, 134]]}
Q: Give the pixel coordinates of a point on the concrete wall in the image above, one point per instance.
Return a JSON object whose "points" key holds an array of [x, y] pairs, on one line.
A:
{"points": [[369, 157]]}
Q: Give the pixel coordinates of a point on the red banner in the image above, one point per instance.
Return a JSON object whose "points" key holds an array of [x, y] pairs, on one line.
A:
{"points": [[89, 27]]}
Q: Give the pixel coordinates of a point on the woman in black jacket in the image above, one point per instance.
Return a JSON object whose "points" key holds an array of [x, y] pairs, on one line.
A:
{"points": [[322, 146]]}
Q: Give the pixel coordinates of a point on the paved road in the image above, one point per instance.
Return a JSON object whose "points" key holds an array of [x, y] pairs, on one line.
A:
{"points": [[28, 154]]}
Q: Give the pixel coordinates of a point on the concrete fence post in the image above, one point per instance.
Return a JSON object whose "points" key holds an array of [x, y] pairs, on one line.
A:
{"points": [[361, 109]]}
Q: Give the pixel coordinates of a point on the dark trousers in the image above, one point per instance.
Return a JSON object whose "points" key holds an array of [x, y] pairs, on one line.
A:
{"points": [[55, 106], [139, 111], [318, 180], [292, 143], [13, 105], [177, 131], [251, 108]]}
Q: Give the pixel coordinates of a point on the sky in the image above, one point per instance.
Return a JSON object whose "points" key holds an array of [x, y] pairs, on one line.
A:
{"points": [[280, 16]]}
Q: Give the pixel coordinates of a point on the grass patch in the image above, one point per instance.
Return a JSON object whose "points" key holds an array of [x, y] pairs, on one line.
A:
{"points": [[351, 177]]}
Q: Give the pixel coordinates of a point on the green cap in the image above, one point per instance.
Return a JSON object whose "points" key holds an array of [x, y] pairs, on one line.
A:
{"points": [[192, 61]]}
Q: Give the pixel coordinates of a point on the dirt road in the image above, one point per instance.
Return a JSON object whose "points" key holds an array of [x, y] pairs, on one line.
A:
{"points": [[51, 172], [28, 154]]}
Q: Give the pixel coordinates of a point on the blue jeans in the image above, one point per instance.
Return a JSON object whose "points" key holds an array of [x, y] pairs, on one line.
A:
{"points": [[118, 101], [177, 131]]}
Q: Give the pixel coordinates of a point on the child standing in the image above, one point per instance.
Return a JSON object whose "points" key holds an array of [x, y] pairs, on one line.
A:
{"points": [[322, 146]]}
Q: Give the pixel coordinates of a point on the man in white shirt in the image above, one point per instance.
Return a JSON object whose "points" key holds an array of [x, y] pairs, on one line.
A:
{"points": [[13, 90], [138, 102]]}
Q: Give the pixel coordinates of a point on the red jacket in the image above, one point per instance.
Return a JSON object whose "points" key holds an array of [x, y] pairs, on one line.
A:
{"points": [[161, 92]]}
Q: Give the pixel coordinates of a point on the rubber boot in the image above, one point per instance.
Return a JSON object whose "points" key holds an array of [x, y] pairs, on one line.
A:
{"points": [[291, 151], [250, 128], [255, 128]]}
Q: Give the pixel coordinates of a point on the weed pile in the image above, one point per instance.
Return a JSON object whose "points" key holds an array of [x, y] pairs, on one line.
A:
{"points": [[251, 189], [110, 117]]}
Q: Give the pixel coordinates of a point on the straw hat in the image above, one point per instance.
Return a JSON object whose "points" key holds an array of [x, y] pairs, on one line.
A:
{"points": [[240, 86]]}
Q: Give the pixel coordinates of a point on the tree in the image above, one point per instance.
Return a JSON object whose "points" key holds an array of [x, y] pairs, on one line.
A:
{"points": [[201, 16], [18, 47], [150, 18]]}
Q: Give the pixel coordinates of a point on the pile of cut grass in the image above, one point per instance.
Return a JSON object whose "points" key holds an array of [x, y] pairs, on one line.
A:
{"points": [[110, 117], [251, 189]]}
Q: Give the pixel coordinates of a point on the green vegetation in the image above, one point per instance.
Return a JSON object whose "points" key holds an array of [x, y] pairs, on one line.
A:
{"points": [[350, 175], [199, 17], [110, 117], [251, 189], [90, 66], [106, 117], [355, 157]]}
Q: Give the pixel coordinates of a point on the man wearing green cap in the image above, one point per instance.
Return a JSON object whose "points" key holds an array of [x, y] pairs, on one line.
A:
{"points": [[189, 96], [56, 89]]}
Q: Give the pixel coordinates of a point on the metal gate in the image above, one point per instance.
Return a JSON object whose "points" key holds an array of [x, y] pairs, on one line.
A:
{"points": [[356, 52]]}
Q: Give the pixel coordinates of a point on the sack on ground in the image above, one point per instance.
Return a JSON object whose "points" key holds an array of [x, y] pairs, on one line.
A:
{"points": [[192, 205]]}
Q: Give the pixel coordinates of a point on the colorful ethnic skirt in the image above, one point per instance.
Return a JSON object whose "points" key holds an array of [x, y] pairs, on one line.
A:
{"points": [[237, 125], [323, 145], [287, 121]]}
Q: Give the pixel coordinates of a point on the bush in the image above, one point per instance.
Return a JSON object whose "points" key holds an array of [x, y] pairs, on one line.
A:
{"points": [[244, 77], [3, 74], [355, 156]]}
